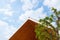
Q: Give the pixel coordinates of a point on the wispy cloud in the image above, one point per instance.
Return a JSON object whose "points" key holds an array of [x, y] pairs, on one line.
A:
{"points": [[11, 1], [6, 30], [37, 14], [52, 3], [7, 10], [29, 4]]}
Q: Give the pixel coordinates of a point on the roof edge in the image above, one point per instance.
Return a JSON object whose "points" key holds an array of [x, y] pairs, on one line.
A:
{"points": [[34, 20]]}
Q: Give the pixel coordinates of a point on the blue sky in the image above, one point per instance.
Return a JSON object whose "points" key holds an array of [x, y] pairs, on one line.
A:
{"points": [[13, 13]]}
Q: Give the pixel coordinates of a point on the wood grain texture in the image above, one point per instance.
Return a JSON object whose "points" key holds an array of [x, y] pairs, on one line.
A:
{"points": [[26, 32]]}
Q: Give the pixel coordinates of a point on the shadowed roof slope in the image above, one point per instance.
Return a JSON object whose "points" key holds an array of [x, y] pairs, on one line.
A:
{"points": [[26, 32]]}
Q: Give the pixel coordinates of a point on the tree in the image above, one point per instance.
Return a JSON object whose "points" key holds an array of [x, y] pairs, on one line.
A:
{"points": [[43, 32]]}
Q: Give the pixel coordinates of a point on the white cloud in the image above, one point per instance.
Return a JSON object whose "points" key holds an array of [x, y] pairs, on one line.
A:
{"points": [[6, 30], [37, 14], [7, 10], [52, 3], [27, 7], [11, 1], [28, 4]]}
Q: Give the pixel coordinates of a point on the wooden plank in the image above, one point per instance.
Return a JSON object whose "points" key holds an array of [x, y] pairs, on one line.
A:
{"points": [[26, 32]]}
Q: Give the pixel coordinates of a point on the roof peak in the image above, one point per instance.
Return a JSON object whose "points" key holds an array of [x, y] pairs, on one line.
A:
{"points": [[34, 20]]}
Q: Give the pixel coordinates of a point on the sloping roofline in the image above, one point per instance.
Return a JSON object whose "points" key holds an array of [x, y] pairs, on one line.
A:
{"points": [[36, 21]]}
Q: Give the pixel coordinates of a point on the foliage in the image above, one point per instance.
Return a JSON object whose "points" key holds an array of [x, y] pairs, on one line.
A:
{"points": [[43, 32]]}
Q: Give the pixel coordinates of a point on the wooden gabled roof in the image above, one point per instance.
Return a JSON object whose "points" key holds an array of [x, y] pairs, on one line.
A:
{"points": [[26, 32]]}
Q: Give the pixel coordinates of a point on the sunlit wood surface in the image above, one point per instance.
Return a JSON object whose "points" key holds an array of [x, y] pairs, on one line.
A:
{"points": [[26, 32]]}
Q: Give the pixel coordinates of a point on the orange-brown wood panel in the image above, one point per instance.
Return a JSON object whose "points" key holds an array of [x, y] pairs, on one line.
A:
{"points": [[26, 32]]}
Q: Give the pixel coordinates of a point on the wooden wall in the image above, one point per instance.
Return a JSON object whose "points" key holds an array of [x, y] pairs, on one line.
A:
{"points": [[26, 32]]}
